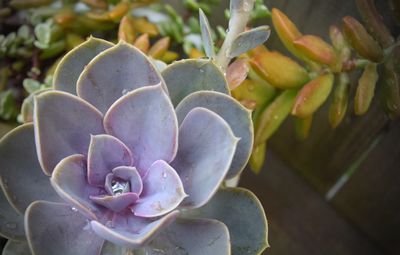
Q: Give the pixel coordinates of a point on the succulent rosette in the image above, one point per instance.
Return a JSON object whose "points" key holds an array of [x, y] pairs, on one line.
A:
{"points": [[120, 156]]}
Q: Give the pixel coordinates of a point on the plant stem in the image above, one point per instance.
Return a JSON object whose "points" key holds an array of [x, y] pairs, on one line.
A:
{"points": [[240, 15]]}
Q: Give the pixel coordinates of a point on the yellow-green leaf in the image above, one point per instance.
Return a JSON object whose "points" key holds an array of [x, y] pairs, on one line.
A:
{"points": [[313, 95], [365, 89]]}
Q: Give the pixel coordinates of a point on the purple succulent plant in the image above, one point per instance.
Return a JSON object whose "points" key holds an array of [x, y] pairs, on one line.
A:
{"points": [[126, 166]]}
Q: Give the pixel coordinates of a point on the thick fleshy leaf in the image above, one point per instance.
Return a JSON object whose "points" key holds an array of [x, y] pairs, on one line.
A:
{"points": [[192, 236], [187, 76], [237, 72], [59, 130], [16, 248], [244, 216], [131, 231], [208, 43], [54, 228], [11, 222], [115, 72], [132, 175], [249, 40], [20, 173], [206, 148], [105, 153], [145, 121], [69, 179], [238, 118], [162, 191], [116, 203], [27, 106], [73, 63]]}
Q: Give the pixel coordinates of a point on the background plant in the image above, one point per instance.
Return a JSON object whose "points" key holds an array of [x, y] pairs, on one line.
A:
{"points": [[278, 86]]}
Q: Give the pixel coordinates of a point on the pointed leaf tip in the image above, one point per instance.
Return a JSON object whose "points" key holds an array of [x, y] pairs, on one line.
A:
{"points": [[113, 73], [73, 63], [249, 40], [187, 76], [208, 43]]}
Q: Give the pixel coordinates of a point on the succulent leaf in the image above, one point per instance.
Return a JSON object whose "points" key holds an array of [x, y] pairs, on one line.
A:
{"points": [[143, 43], [54, 228], [106, 152], [248, 40], [126, 30], [361, 40], [238, 118], [116, 203], [127, 69], [242, 213], [254, 90], [316, 49], [159, 48], [374, 22], [365, 89], [11, 222], [338, 108], [269, 66], [16, 248], [274, 115], [313, 95], [58, 127], [286, 30], [73, 63], [237, 72], [28, 106], [258, 157], [20, 168], [70, 182], [206, 148], [192, 236], [145, 138], [132, 231], [163, 191], [208, 43], [127, 173], [187, 76]]}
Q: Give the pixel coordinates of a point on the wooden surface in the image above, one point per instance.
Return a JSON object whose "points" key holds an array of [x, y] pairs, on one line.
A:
{"points": [[371, 198], [327, 154], [300, 221]]}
